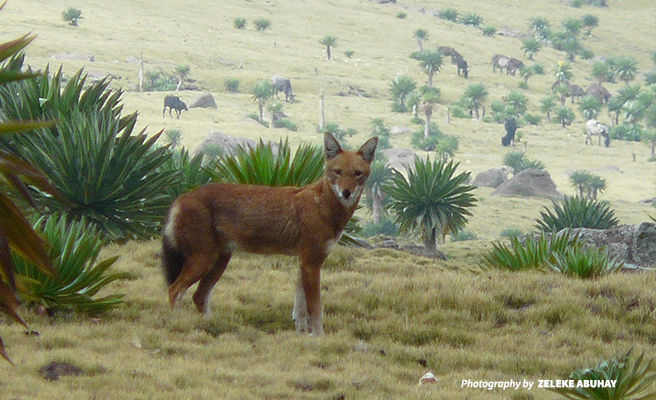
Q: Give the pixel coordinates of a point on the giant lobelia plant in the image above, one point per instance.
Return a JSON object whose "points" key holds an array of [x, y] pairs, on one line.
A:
{"points": [[106, 173]]}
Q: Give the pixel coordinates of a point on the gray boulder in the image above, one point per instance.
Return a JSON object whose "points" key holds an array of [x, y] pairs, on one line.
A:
{"points": [[206, 100], [227, 143], [635, 245], [645, 244], [493, 178], [530, 183], [398, 158]]}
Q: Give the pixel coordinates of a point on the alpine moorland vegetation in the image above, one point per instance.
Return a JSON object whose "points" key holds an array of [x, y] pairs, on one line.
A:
{"points": [[390, 317]]}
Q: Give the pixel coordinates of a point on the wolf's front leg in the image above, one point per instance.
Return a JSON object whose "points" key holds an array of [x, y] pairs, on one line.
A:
{"points": [[299, 314], [311, 285]]}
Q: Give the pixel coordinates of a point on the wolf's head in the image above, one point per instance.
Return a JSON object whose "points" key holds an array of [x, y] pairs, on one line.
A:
{"points": [[347, 171]]}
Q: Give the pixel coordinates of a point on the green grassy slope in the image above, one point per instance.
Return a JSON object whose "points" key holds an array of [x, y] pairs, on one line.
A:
{"points": [[202, 36]]}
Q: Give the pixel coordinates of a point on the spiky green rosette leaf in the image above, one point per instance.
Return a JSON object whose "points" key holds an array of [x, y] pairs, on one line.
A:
{"points": [[432, 196], [577, 212], [74, 249]]}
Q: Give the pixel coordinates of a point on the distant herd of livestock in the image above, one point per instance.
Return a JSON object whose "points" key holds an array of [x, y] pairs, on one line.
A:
{"points": [[510, 64]]}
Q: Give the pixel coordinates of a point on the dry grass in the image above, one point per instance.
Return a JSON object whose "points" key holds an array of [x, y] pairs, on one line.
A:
{"points": [[389, 317]]}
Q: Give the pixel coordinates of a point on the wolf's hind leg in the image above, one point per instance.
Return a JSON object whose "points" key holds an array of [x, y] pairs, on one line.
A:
{"points": [[207, 282], [195, 267]]}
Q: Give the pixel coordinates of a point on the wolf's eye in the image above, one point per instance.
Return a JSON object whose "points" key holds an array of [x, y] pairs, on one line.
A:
{"points": [[337, 171], [357, 174]]}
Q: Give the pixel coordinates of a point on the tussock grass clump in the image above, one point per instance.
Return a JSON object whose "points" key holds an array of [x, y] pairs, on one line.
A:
{"points": [[511, 232], [561, 252], [585, 263], [534, 253]]}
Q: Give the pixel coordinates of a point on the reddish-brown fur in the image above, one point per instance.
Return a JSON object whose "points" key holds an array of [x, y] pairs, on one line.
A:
{"points": [[205, 226]]}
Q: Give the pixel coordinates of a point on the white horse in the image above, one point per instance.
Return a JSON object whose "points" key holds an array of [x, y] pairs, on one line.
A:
{"points": [[597, 128]]}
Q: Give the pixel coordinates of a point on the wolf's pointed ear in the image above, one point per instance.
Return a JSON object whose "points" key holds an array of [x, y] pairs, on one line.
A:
{"points": [[368, 150], [331, 145]]}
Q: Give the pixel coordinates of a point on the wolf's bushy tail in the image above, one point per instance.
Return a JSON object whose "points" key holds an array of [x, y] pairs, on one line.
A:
{"points": [[172, 260]]}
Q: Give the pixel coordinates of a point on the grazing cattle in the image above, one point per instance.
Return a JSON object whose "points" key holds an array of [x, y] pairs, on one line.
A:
{"points": [[447, 51], [597, 128], [514, 65], [576, 91], [556, 84], [499, 61], [511, 127], [462, 67], [284, 85], [174, 103], [599, 92]]}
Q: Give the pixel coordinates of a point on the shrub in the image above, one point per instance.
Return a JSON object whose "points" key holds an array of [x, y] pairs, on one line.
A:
{"points": [[157, 82], [449, 14], [401, 15], [17, 233], [349, 53], [650, 78], [239, 23], [232, 85], [488, 30], [262, 24], [471, 19], [447, 147], [459, 112], [565, 116], [72, 15], [585, 263], [631, 133], [429, 143], [517, 102], [518, 161], [534, 253], [634, 379], [576, 212], [339, 133], [385, 227], [173, 137], [262, 166], [587, 184], [463, 235], [586, 54], [287, 124], [432, 200], [104, 172], [74, 249], [532, 119], [511, 232], [190, 169]]}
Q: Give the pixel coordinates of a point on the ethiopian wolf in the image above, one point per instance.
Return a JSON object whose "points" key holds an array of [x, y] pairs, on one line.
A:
{"points": [[207, 225]]}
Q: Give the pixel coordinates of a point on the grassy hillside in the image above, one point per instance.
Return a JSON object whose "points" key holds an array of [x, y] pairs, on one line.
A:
{"points": [[447, 319]]}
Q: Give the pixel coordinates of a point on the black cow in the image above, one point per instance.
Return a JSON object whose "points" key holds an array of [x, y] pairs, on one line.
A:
{"points": [[511, 127], [446, 51], [599, 92], [576, 91], [284, 85], [514, 65], [174, 103], [462, 66]]}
